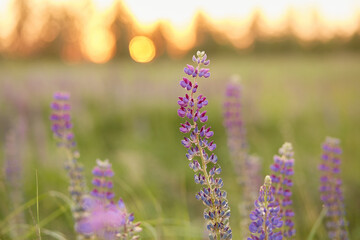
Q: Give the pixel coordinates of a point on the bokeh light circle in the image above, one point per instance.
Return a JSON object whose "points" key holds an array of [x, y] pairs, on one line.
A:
{"points": [[99, 45], [142, 49]]}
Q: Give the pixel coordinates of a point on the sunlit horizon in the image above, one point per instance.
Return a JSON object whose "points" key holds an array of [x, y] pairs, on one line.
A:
{"points": [[96, 41], [181, 12]]}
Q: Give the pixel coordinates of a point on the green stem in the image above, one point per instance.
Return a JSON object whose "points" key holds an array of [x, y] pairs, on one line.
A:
{"points": [[203, 162], [204, 170], [37, 206], [317, 224], [45, 221]]}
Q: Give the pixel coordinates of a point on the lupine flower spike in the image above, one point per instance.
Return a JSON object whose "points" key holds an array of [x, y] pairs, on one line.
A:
{"points": [[106, 220], [266, 222], [251, 182], [235, 129], [62, 130], [13, 173], [199, 145], [234, 124], [330, 189], [247, 167], [282, 171]]}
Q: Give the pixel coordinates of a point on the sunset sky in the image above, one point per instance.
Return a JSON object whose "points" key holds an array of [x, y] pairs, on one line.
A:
{"points": [[334, 16], [181, 12], [230, 18]]}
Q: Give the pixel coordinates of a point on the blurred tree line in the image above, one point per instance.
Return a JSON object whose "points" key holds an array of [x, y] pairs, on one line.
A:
{"points": [[61, 28]]}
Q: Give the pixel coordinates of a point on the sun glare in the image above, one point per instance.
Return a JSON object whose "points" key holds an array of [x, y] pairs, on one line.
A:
{"points": [[99, 45], [142, 49], [103, 4]]}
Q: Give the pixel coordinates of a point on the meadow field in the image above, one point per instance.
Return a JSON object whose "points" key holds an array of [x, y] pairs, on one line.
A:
{"points": [[127, 112]]}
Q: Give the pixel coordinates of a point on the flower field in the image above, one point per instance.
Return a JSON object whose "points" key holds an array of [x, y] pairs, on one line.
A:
{"points": [[126, 112]]}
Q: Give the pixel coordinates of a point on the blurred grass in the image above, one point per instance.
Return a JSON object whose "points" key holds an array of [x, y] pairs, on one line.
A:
{"points": [[126, 112]]}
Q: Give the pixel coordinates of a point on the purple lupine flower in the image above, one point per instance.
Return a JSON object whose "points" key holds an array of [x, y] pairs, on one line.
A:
{"points": [[105, 219], [235, 129], [61, 120], [13, 174], [102, 181], [246, 167], [251, 181], [199, 145], [62, 130], [282, 171], [265, 219], [233, 121], [330, 189]]}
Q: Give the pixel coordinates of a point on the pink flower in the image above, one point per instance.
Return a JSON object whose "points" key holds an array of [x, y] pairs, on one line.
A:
{"points": [[104, 220]]}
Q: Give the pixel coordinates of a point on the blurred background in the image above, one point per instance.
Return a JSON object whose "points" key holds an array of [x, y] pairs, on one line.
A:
{"points": [[121, 60], [101, 30]]}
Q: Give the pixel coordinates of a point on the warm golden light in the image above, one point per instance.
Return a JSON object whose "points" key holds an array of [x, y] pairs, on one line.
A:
{"points": [[99, 45], [96, 28], [103, 4], [142, 49]]}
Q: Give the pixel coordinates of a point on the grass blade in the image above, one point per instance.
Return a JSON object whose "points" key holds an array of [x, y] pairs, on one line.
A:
{"points": [[317, 224]]}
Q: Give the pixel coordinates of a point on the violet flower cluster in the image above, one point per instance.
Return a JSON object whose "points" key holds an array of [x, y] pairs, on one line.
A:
{"points": [[282, 182], [247, 167], [97, 214], [266, 222], [330, 189], [105, 219], [199, 145], [62, 130]]}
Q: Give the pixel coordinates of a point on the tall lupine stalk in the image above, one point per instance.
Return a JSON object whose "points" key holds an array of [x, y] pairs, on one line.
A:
{"points": [[330, 189], [266, 222], [282, 171], [253, 180], [105, 219], [234, 125], [249, 193], [235, 129], [62, 130], [247, 167], [13, 171], [199, 145]]}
